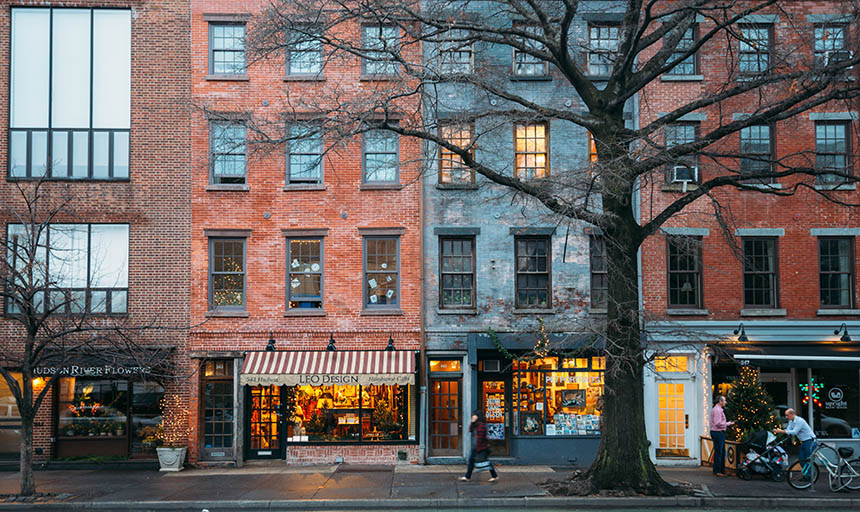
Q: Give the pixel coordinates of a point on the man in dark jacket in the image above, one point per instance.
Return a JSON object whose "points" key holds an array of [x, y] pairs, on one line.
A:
{"points": [[480, 448]]}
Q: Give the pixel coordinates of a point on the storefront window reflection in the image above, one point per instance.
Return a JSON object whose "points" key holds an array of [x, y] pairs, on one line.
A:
{"points": [[91, 407], [349, 413], [559, 403], [10, 420], [837, 408]]}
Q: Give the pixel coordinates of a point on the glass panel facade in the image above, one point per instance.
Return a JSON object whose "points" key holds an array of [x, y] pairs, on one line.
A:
{"points": [[836, 410]]}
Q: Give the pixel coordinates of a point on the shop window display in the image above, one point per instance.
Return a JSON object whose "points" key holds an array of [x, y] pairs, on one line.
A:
{"points": [[555, 400], [836, 403], [89, 407], [10, 420], [349, 413]]}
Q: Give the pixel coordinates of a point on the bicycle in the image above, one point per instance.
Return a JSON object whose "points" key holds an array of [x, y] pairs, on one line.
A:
{"points": [[842, 474]]}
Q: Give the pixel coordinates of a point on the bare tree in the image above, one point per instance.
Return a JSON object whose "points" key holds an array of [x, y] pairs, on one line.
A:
{"points": [[650, 39], [54, 321]]}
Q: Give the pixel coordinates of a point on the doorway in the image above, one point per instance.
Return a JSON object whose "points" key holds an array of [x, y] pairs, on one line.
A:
{"points": [[264, 438], [495, 401], [446, 424], [673, 419], [780, 387]]}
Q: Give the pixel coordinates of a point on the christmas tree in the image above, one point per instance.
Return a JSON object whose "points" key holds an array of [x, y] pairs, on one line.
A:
{"points": [[749, 406]]}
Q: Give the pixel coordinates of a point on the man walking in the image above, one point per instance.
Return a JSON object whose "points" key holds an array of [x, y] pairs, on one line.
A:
{"points": [[718, 426]]}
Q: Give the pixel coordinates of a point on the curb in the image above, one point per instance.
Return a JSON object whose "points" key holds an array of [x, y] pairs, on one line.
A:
{"points": [[536, 503]]}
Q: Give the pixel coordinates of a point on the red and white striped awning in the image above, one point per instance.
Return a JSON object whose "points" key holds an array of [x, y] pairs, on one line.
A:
{"points": [[326, 368]]}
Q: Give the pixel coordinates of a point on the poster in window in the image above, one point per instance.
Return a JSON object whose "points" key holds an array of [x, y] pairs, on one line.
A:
{"points": [[573, 398], [531, 423], [496, 431]]}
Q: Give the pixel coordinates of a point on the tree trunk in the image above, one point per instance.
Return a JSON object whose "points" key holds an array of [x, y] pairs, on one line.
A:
{"points": [[28, 483], [623, 461]]}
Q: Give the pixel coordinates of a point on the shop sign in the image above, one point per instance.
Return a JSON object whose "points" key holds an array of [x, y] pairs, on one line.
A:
{"points": [[327, 379], [74, 370], [835, 399]]}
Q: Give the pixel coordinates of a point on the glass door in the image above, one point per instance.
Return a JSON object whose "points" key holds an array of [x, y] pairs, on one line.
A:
{"points": [[495, 402], [446, 425], [674, 420], [264, 425]]}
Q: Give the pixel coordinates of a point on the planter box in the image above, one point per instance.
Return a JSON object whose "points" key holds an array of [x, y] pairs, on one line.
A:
{"points": [[734, 454], [171, 459]]}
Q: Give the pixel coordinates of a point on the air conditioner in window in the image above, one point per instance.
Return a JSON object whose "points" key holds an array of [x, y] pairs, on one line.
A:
{"points": [[836, 56], [492, 365], [685, 175]]}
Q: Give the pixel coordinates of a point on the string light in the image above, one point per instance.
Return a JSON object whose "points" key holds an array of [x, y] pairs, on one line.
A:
{"points": [[810, 392]]}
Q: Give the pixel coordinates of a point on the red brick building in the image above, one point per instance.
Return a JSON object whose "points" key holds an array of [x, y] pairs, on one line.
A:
{"points": [[96, 107], [298, 246], [776, 298]]}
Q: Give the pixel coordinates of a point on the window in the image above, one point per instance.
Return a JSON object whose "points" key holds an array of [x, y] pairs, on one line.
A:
{"points": [[755, 48], [686, 167], [227, 273], [599, 272], [531, 158], [217, 417], [760, 273], [830, 44], [304, 154], [757, 151], [688, 66], [837, 413], [592, 149], [685, 272], [382, 45], [457, 273], [305, 279], [70, 93], [533, 273], [227, 147], [603, 46], [670, 364], [452, 169], [226, 49], [86, 268], [832, 150], [455, 52], [381, 156], [836, 272], [381, 271], [553, 400], [305, 53], [526, 64]]}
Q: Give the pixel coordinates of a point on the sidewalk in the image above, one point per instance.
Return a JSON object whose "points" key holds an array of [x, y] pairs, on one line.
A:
{"points": [[275, 486]]}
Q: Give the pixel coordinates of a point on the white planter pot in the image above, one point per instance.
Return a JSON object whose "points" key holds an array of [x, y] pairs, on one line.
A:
{"points": [[171, 459]]}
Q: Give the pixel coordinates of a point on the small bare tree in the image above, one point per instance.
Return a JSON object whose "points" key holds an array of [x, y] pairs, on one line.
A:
{"points": [[595, 81], [52, 321]]}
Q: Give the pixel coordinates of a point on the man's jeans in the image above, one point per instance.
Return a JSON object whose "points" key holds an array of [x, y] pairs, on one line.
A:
{"points": [[805, 452], [719, 438]]}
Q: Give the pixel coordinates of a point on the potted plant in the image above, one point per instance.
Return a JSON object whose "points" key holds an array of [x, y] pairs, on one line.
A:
{"points": [[173, 433]]}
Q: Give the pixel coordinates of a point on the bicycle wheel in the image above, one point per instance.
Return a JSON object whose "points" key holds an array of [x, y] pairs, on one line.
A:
{"points": [[802, 475], [849, 475]]}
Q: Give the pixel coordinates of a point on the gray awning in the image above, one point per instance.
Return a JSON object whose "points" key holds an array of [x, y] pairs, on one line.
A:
{"points": [[820, 355]]}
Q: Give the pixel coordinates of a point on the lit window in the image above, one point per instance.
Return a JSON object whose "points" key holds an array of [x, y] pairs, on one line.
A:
{"points": [[531, 158], [671, 364]]}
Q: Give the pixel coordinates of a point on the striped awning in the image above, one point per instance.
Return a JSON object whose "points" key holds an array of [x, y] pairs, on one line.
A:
{"points": [[326, 368]]}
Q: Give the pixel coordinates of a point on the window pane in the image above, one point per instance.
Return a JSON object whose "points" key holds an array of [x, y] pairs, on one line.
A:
{"points": [[18, 154], [60, 155], [101, 148], [119, 301], [70, 90], [81, 154], [98, 301], [111, 68], [68, 255], [30, 68], [39, 156], [109, 256], [120, 155]]}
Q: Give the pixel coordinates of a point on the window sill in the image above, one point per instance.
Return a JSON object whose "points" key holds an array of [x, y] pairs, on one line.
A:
{"points": [[304, 312], [676, 187], [380, 186], [380, 78], [456, 186], [301, 187], [529, 78], [227, 187], [227, 78], [468, 312], [535, 311], [304, 78], [843, 186], [598, 311], [838, 312], [762, 186], [687, 312], [682, 78], [381, 312], [226, 313], [763, 312]]}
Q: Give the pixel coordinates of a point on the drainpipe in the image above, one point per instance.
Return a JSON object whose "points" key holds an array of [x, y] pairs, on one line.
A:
{"points": [[423, 415]]}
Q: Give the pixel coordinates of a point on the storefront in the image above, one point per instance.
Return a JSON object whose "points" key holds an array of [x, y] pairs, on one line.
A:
{"points": [[308, 406]]}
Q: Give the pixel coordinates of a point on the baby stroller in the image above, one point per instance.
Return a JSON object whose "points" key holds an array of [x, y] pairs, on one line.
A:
{"points": [[764, 457]]}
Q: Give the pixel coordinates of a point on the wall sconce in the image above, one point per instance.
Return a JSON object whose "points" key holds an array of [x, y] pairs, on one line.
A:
{"points": [[742, 333], [390, 346], [331, 347], [270, 345], [845, 337]]}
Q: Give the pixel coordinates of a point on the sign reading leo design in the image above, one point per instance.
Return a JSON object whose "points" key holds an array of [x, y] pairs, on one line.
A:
{"points": [[74, 370], [326, 379]]}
